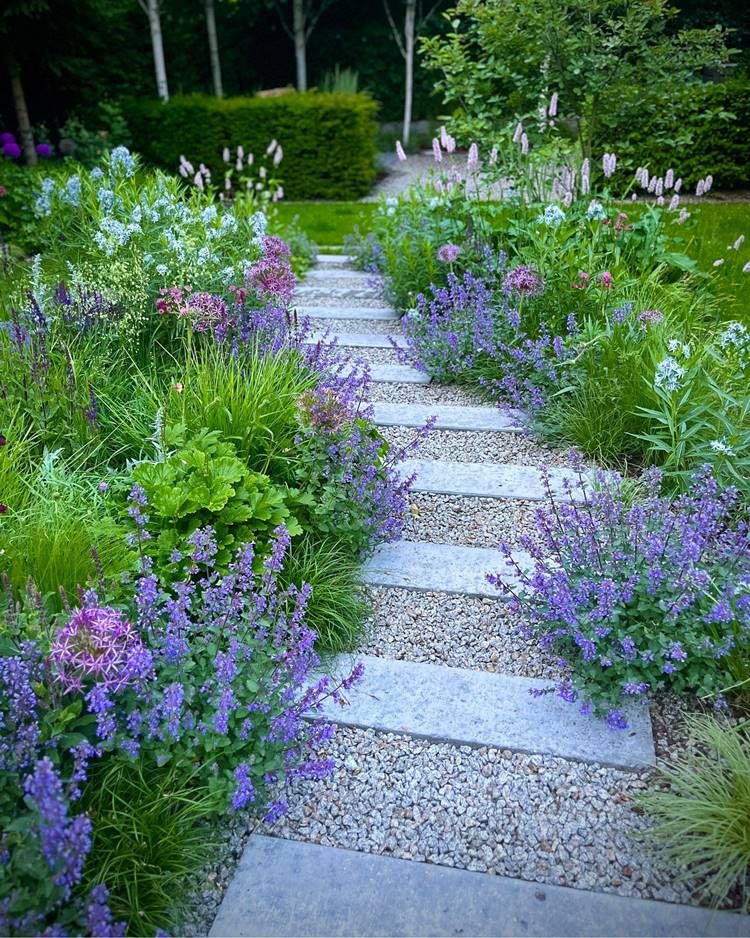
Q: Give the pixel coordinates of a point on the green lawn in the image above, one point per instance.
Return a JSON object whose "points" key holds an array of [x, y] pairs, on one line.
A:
{"points": [[328, 223]]}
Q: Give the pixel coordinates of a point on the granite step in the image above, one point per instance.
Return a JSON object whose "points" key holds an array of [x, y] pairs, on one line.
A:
{"points": [[284, 888], [445, 477], [358, 339], [397, 374], [449, 417], [465, 707], [334, 259], [348, 312], [445, 568], [324, 274]]}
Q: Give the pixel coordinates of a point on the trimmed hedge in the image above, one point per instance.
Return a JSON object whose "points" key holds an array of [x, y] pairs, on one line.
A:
{"points": [[328, 139], [705, 129]]}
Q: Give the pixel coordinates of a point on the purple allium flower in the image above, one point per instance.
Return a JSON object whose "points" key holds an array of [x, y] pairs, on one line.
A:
{"points": [[7, 138], [523, 280], [650, 317], [43, 149], [11, 150], [272, 275], [447, 253], [98, 644]]}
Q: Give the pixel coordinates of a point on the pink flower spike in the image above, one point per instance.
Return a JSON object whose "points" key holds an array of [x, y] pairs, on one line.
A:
{"points": [[746, 268], [400, 151], [240, 152], [674, 203], [493, 156], [552, 110], [444, 135], [719, 262], [739, 242], [472, 163], [278, 155], [699, 190], [238, 164], [451, 144], [225, 155], [707, 183], [524, 144], [436, 151], [669, 179], [198, 180], [271, 147], [517, 132]]}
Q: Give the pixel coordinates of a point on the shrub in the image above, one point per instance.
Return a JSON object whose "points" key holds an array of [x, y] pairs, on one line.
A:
{"points": [[634, 596], [700, 805], [328, 139]]}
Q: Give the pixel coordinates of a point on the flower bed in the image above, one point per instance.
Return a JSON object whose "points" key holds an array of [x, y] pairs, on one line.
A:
{"points": [[174, 536]]}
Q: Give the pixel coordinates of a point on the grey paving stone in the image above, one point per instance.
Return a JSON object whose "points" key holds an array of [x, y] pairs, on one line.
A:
{"points": [[285, 888], [446, 568], [449, 417], [359, 339], [348, 312], [321, 275], [334, 259], [482, 708], [392, 374], [486, 479]]}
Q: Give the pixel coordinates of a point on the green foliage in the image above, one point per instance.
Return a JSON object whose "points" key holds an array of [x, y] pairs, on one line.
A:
{"points": [[328, 139], [501, 59], [147, 838], [203, 483], [337, 608], [340, 81], [700, 806]]}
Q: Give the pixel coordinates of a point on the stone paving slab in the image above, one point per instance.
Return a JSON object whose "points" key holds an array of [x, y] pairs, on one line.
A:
{"points": [[465, 707], [283, 888], [444, 568], [447, 477], [348, 312], [318, 274], [359, 339], [449, 417], [391, 374], [335, 259]]}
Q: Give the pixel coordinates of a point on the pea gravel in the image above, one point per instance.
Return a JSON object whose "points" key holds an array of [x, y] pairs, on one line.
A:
{"points": [[491, 446], [458, 631], [457, 519], [424, 394]]}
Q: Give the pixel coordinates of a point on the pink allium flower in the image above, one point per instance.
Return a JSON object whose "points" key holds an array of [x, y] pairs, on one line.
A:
{"points": [[436, 151], [447, 253], [98, 644], [206, 311], [552, 110], [400, 151], [650, 317], [272, 274], [472, 162], [523, 280]]}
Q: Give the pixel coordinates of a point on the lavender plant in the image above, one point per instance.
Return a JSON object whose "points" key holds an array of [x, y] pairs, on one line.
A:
{"points": [[635, 596]]}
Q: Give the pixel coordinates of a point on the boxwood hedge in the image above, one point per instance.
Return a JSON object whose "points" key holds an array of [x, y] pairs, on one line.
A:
{"points": [[329, 140]]}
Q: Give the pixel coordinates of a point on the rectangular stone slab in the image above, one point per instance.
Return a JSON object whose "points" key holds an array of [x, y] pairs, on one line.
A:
{"points": [[449, 417], [445, 568], [486, 479], [392, 374], [334, 259], [480, 708], [359, 339], [284, 888], [348, 312], [333, 273]]}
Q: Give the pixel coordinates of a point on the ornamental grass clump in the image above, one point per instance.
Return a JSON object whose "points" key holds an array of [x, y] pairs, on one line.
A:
{"points": [[700, 807], [632, 596]]}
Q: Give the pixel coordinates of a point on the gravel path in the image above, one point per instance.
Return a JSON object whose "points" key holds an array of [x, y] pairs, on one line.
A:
{"points": [[458, 631], [519, 449], [425, 394], [457, 519]]}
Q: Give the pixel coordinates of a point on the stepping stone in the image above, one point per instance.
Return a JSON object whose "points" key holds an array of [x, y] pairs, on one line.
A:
{"points": [[446, 477], [283, 888], [359, 339], [317, 274], [347, 295], [464, 707], [390, 374], [449, 417], [348, 312], [334, 259], [443, 568]]}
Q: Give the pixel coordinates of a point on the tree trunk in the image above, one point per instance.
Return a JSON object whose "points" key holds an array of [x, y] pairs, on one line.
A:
{"points": [[156, 43], [213, 48], [300, 43], [22, 112], [410, 16]]}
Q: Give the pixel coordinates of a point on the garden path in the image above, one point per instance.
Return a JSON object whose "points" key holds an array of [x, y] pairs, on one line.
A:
{"points": [[448, 769]]}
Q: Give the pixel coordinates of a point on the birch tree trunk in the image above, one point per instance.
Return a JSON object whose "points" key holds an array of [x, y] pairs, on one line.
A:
{"points": [[300, 42], [22, 111], [213, 48], [156, 42], [409, 18]]}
